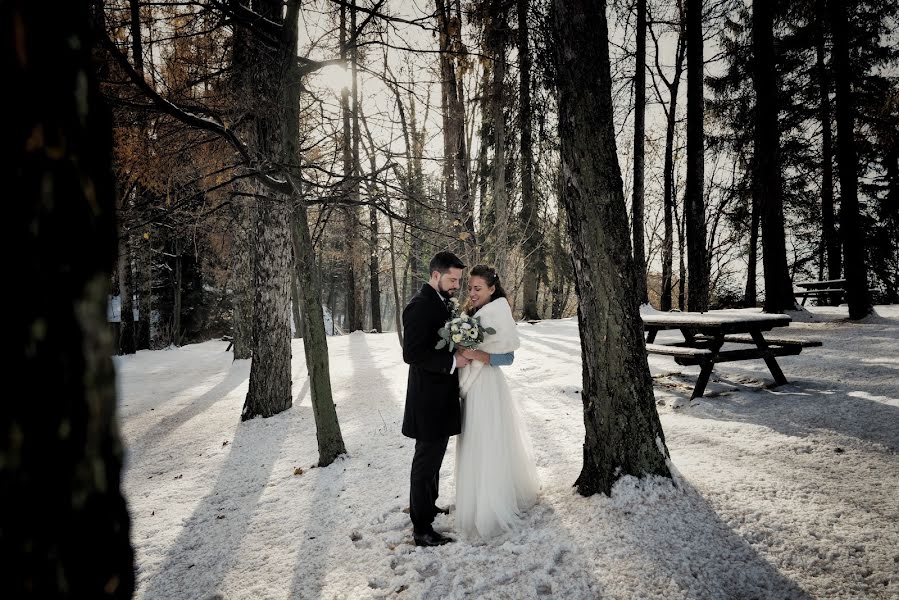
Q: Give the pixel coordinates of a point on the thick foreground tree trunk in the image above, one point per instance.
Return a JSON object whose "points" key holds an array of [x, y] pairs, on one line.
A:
{"points": [[831, 241], [623, 432], [767, 190], [270, 391], [694, 199], [853, 239], [637, 201], [64, 524]]}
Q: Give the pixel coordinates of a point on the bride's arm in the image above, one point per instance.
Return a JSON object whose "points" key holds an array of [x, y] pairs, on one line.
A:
{"points": [[497, 360]]}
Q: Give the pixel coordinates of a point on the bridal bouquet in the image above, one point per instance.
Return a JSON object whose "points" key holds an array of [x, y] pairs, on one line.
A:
{"points": [[462, 330]]}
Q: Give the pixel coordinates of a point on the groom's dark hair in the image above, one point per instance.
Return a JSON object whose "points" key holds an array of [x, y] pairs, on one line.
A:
{"points": [[444, 261]]}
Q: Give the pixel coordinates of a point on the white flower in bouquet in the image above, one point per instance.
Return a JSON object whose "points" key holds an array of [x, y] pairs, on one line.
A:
{"points": [[462, 330]]}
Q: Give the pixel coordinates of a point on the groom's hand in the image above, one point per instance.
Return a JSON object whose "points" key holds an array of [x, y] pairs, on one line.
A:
{"points": [[461, 361]]}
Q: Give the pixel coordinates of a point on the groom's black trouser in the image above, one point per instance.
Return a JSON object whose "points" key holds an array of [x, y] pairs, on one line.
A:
{"points": [[423, 485]]}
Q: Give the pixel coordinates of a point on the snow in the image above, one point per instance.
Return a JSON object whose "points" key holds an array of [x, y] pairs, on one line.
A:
{"points": [[786, 492]]}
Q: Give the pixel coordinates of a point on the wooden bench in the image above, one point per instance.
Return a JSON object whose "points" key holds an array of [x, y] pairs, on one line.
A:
{"points": [[835, 287]]}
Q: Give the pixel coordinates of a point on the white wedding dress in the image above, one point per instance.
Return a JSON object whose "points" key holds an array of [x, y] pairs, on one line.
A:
{"points": [[496, 478]]}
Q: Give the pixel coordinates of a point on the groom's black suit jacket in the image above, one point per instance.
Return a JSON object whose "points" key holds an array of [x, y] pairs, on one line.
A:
{"points": [[433, 410]]}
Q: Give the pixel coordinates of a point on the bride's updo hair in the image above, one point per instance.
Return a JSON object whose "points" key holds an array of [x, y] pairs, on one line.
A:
{"points": [[489, 275]]}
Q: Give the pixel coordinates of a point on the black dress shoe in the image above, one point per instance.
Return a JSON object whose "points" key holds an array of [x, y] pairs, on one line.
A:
{"points": [[430, 538]]}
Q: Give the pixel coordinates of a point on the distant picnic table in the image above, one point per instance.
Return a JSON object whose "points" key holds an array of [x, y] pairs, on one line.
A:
{"points": [[706, 333], [820, 288]]}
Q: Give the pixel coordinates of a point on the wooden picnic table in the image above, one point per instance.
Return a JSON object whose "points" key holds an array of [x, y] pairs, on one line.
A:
{"points": [[837, 287], [705, 334], [814, 285]]}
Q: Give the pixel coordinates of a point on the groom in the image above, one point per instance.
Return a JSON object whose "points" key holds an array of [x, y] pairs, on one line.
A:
{"points": [[433, 412]]}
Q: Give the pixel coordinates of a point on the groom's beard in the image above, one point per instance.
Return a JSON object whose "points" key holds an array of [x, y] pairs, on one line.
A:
{"points": [[445, 292]]}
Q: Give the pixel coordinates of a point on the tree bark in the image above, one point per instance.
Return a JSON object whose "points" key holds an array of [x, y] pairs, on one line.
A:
{"points": [[315, 343], [295, 306], [530, 226], [750, 298], [143, 262], [374, 260], [456, 175], [269, 391], [354, 310], [397, 314], [637, 203], [64, 524], [496, 35], [242, 272], [178, 292], [853, 238], [243, 203], [697, 260], [767, 189], [127, 338], [623, 432], [357, 256]]}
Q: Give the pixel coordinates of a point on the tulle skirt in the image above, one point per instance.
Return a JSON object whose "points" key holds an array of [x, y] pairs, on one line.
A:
{"points": [[496, 478]]}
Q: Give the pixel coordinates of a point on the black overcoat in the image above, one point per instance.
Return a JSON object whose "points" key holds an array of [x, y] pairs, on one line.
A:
{"points": [[433, 410]]}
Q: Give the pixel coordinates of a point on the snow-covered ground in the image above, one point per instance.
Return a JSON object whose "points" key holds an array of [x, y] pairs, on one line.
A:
{"points": [[790, 492]]}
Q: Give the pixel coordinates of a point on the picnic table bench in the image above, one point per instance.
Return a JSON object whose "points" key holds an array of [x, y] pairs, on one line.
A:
{"points": [[706, 333], [837, 287]]}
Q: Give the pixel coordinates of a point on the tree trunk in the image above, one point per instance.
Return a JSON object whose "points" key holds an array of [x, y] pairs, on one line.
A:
{"points": [[623, 432], [639, 153], [750, 298], [178, 291], [668, 218], [242, 272], [295, 306], [853, 238], [417, 264], [375, 271], [315, 342], [140, 250], [497, 44], [354, 309], [697, 260], [242, 204], [65, 525], [830, 241], [767, 190], [681, 263], [448, 95], [374, 262], [397, 314], [269, 391], [458, 189], [358, 257], [127, 339], [143, 263], [530, 227]]}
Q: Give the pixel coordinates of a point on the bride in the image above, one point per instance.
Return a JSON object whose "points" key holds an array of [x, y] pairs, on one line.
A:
{"points": [[496, 480]]}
